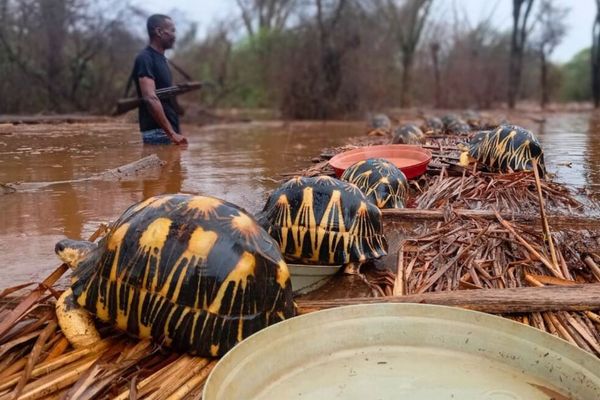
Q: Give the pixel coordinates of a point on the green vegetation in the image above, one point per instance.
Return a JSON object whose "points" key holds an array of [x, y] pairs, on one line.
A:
{"points": [[306, 59], [576, 78]]}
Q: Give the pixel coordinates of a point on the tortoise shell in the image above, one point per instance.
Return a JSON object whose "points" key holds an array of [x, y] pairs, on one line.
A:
{"points": [[454, 124], [195, 273], [408, 134], [507, 147], [380, 121], [433, 125], [380, 180], [473, 118], [322, 220]]}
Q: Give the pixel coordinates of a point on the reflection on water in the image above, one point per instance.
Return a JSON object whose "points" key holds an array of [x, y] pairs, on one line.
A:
{"points": [[230, 162], [233, 162], [571, 145]]}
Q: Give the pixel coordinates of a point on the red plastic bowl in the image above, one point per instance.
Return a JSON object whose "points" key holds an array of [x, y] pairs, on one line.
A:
{"points": [[410, 159]]}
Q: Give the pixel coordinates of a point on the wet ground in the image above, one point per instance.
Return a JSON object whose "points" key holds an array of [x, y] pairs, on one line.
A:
{"points": [[239, 163]]}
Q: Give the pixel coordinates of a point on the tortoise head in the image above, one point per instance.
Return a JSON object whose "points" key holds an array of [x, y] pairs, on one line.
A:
{"points": [[465, 156], [72, 252]]}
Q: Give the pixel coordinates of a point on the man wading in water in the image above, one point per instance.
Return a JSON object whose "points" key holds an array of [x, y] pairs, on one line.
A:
{"points": [[158, 119]]}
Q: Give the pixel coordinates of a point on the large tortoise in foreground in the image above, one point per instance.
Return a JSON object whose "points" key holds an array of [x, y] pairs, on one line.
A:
{"points": [[322, 220], [195, 273]]}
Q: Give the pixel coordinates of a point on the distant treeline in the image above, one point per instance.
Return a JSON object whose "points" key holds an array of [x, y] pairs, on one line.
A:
{"points": [[308, 59]]}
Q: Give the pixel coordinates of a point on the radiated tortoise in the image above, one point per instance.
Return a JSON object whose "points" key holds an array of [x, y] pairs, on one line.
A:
{"points": [[194, 273], [380, 180], [322, 220], [508, 147]]}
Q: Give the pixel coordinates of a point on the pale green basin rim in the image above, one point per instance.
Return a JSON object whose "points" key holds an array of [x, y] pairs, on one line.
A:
{"points": [[316, 270], [581, 361]]}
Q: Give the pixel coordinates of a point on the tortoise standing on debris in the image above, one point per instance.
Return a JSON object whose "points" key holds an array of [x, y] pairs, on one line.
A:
{"points": [[433, 126], [508, 147], [380, 180], [322, 220], [380, 121], [408, 134], [454, 124], [193, 272]]}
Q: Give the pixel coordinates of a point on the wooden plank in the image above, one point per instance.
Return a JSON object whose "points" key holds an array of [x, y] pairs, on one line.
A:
{"points": [[497, 301], [575, 221]]}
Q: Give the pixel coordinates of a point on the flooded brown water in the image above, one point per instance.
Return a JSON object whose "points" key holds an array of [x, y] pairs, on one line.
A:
{"points": [[234, 162], [237, 163]]}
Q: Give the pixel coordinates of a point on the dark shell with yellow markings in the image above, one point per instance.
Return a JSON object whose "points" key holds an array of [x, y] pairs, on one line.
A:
{"points": [[433, 125], [195, 273], [507, 147], [455, 125], [322, 220], [408, 134], [380, 180]]}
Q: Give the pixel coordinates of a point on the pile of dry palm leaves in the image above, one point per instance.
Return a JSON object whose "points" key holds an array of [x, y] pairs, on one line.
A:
{"points": [[472, 254], [515, 192]]}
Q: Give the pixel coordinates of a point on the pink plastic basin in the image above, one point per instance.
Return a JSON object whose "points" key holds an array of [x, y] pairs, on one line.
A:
{"points": [[412, 160]]}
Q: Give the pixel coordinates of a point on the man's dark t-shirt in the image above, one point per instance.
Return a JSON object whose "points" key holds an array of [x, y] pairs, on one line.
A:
{"points": [[151, 64]]}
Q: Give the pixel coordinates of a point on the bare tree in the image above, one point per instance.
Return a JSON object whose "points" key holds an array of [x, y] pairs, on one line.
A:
{"points": [[518, 40], [63, 55], [552, 30], [595, 57], [331, 54], [407, 22], [210, 58], [436, 43], [316, 83], [265, 15], [435, 52]]}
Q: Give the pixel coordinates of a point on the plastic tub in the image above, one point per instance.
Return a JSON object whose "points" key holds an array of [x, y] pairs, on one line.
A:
{"points": [[403, 351], [306, 278], [412, 160]]}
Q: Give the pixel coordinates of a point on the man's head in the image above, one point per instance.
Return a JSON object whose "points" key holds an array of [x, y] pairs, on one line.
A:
{"points": [[161, 30]]}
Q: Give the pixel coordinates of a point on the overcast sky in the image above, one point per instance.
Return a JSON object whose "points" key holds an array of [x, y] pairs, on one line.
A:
{"points": [[579, 20]]}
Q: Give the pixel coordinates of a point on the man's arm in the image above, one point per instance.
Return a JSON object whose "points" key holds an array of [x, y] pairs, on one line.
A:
{"points": [[148, 89]]}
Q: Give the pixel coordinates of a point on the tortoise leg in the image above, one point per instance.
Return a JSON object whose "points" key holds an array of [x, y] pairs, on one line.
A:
{"points": [[76, 323], [352, 268]]}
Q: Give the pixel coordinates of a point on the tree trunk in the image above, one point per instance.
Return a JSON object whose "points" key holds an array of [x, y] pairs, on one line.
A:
{"points": [[514, 71], [331, 67], [435, 48], [543, 79], [595, 57], [519, 36], [406, 93], [54, 15]]}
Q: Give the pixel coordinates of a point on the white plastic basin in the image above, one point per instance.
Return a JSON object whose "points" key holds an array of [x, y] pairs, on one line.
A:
{"points": [[404, 351], [306, 278]]}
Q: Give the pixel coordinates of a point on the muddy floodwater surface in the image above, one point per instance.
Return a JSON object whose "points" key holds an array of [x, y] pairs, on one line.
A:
{"points": [[239, 163]]}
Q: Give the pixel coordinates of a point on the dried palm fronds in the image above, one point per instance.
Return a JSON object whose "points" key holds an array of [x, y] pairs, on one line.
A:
{"points": [[514, 192], [468, 253], [41, 364]]}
